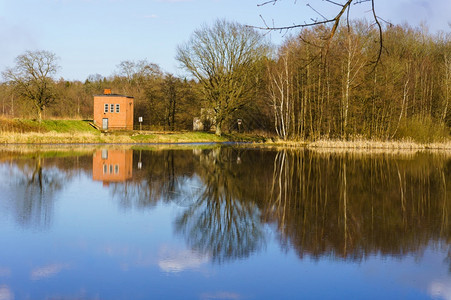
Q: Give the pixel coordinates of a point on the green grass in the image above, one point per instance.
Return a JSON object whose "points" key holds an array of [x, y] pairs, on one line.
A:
{"points": [[186, 137], [58, 126], [68, 126], [26, 131]]}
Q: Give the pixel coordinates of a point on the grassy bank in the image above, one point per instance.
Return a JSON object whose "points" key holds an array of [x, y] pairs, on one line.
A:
{"points": [[108, 138], [19, 131], [9, 126]]}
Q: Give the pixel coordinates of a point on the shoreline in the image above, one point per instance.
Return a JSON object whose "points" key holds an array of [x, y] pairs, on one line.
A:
{"points": [[202, 138]]}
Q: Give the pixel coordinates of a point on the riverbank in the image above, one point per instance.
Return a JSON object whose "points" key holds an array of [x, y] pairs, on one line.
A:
{"points": [[22, 131], [19, 131], [122, 138], [204, 137]]}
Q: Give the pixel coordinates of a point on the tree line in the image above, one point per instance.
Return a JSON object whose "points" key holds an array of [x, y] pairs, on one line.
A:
{"points": [[310, 87]]}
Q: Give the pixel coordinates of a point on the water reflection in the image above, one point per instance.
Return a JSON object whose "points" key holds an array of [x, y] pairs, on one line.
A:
{"points": [[30, 188], [112, 165], [175, 261], [351, 207], [221, 222], [226, 204], [345, 205]]}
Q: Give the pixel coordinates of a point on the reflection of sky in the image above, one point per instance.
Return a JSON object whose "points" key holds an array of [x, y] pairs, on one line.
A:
{"points": [[95, 249], [47, 271], [440, 289], [175, 261]]}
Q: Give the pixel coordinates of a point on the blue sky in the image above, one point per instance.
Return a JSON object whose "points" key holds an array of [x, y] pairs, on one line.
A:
{"points": [[94, 36]]}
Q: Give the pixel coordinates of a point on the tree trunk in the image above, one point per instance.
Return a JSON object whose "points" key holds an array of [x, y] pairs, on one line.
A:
{"points": [[40, 115], [218, 131]]}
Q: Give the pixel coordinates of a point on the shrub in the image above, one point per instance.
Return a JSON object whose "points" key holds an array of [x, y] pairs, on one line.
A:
{"points": [[423, 130]]}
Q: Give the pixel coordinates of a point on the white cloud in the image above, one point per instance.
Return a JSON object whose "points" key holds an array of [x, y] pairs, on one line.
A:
{"points": [[47, 271], [6, 293], [152, 16], [174, 261], [16, 39], [440, 289]]}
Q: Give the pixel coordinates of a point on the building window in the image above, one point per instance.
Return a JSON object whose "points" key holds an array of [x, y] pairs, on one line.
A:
{"points": [[116, 169], [118, 108], [106, 108], [104, 154], [111, 169], [105, 169], [112, 108]]}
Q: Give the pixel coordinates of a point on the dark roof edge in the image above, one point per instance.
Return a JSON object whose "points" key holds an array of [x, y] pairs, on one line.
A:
{"points": [[113, 95]]}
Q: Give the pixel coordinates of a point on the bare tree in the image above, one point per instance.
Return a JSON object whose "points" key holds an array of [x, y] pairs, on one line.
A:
{"points": [[446, 85], [224, 59], [280, 93], [135, 72], [32, 78], [343, 8]]}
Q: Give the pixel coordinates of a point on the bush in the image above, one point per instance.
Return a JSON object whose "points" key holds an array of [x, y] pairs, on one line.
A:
{"points": [[423, 130]]}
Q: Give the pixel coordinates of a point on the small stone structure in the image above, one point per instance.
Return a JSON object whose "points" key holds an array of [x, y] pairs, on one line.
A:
{"points": [[206, 122]]}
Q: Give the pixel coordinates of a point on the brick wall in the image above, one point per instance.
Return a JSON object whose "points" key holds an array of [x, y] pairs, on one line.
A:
{"points": [[116, 120]]}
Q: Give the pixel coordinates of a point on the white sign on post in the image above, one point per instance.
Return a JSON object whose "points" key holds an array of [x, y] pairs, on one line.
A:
{"points": [[140, 120]]}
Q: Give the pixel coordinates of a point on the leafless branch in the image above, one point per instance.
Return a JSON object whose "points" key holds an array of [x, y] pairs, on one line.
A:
{"points": [[335, 21], [317, 11], [380, 34]]}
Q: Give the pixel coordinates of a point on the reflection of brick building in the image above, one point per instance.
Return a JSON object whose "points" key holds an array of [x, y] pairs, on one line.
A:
{"points": [[112, 111], [112, 165]]}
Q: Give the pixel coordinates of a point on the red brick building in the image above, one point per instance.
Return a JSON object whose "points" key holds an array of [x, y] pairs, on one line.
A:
{"points": [[112, 111]]}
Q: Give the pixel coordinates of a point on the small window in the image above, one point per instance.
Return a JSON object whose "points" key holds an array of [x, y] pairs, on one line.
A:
{"points": [[111, 169], [116, 169], [112, 108], [106, 108], [105, 169], [118, 108]]}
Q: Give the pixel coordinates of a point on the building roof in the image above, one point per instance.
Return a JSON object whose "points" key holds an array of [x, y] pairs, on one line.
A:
{"points": [[113, 95]]}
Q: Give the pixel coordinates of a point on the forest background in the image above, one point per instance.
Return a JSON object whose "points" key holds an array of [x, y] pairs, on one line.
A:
{"points": [[299, 91]]}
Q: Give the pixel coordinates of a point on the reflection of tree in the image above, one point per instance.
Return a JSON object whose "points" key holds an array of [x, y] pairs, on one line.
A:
{"points": [[221, 223], [350, 207], [137, 194], [163, 177], [34, 185], [343, 205], [219, 219]]}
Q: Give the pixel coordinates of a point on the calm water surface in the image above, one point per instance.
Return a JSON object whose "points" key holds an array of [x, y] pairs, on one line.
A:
{"points": [[223, 223]]}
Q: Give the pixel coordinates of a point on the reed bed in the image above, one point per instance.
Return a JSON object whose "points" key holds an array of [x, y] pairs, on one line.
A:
{"points": [[378, 145]]}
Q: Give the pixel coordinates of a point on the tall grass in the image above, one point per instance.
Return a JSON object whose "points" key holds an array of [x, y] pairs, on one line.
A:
{"points": [[384, 145]]}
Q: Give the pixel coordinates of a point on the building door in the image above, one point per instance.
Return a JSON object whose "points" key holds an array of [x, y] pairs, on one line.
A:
{"points": [[105, 123]]}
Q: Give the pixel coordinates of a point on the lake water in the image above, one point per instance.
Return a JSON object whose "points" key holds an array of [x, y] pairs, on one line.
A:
{"points": [[210, 222]]}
